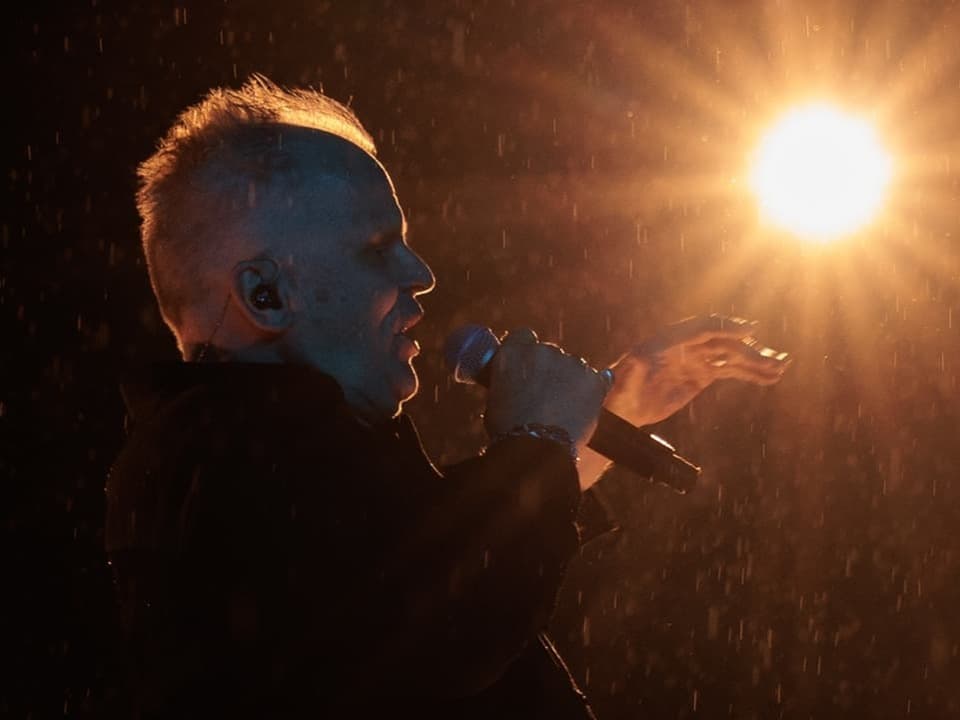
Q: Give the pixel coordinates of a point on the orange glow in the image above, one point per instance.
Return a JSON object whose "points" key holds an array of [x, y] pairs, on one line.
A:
{"points": [[820, 173]]}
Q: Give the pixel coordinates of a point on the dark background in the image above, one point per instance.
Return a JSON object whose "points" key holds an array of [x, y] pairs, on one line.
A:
{"points": [[576, 167]]}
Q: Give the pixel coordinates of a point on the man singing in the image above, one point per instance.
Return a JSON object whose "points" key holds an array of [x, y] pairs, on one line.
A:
{"points": [[282, 547]]}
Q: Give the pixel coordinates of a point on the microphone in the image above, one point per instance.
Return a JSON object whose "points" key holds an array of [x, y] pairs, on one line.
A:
{"points": [[468, 352]]}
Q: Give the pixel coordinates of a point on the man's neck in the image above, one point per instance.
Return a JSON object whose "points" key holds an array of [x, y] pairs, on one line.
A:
{"points": [[364, 411]]}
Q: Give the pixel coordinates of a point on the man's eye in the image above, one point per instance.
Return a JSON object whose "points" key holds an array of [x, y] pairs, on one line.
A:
{"points": [[384, 248]]}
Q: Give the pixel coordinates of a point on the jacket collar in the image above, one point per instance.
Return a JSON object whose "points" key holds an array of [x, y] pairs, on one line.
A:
{"points": [[146, 389]]}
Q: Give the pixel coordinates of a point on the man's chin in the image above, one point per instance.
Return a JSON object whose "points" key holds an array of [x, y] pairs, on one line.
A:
{"points": [[385, 400], [406, 385]]}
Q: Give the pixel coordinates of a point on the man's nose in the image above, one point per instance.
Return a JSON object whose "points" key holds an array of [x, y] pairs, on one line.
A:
{"points": [[418, 276]]}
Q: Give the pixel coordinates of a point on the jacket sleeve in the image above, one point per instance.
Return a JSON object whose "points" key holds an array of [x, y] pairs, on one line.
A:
{"points": [[393, 588], [487, 561]]}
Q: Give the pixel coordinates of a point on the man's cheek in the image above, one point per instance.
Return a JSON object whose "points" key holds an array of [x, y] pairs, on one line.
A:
{"points": [[381, 307]]}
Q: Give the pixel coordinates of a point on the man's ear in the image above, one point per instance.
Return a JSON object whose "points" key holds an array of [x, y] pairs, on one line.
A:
{"points": [[262, 292]]}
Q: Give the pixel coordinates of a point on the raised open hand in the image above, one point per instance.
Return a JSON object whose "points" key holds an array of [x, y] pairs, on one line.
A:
{"points": [[660, 375]]}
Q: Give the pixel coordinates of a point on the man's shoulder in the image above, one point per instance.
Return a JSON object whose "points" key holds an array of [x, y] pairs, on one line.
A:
{"points": [[219, 431], [231, 408], [175, 387]]}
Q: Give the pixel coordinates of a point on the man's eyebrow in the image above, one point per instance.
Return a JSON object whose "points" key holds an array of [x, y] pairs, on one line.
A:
{"points": [[393, 232], [387, 236]]}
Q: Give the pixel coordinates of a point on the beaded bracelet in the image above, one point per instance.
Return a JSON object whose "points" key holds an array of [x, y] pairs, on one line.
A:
{"points": [[552, 433]]}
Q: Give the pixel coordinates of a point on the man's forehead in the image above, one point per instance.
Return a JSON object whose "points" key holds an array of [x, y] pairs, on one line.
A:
{"points": [[365, 201], [329, 153], [338, 178]]}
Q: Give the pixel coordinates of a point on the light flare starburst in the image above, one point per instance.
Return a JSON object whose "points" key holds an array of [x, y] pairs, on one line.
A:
{"points": [[820, 173]]}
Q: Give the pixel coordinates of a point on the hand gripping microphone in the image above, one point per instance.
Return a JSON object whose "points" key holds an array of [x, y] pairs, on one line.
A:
{"points": [[468, 352]]}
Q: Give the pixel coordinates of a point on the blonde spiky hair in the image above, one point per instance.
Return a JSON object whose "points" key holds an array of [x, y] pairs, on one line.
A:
{"points": [[232, 135]]}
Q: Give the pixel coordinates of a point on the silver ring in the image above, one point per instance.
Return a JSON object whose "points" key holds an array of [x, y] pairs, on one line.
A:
{"points": [[607, 375]]}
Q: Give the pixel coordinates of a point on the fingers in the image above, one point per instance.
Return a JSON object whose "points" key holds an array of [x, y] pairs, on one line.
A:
{"points": [[701, 334], [694, 330], [523, 335], [747, 374], [603, 379], [537, 382], [526, 336], [742, 359], [748, 347], [704, 328]]}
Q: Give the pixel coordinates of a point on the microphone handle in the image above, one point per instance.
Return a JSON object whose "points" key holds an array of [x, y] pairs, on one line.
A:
{"points": [[630, 447]]}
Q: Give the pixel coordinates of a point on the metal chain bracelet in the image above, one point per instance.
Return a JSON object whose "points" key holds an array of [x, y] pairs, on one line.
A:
{"points": [[552, 433]]}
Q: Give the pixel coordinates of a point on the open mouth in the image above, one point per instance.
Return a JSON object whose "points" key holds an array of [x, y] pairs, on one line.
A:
{"points": [[404, 326], [406, 345]]}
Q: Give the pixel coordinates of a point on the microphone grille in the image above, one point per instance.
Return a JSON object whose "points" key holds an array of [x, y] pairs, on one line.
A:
{"points": [[468, 350]]}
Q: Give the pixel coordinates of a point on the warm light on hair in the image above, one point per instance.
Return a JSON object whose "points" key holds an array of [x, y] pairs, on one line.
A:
{"points": [[234, 136]]}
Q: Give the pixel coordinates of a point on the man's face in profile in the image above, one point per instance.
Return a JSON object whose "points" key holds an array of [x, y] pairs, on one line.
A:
{"points": [[356, 276]]}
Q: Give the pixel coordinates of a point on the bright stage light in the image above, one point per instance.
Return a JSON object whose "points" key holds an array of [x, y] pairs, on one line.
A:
{"points": [[820, 173]]}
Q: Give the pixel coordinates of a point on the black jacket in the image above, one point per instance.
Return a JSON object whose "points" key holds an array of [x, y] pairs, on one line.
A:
{"points": [[276, 558]]}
